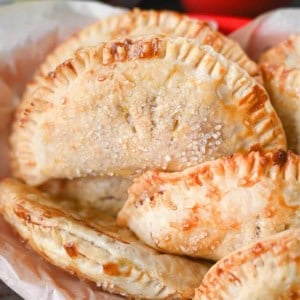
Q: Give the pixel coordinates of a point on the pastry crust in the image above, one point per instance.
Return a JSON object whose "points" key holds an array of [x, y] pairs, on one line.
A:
{"points": [[135, 23], [281, 74], [138, 22], [109, 110], [286, 53], [269, 269], [90, 245], [106, 194], [217, 207]]}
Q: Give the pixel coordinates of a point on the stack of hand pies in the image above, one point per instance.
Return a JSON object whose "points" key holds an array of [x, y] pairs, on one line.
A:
{"points": [[147, 150]]}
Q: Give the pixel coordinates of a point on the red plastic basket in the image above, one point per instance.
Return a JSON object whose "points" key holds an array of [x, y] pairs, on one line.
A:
{"points": [[226, 24]]}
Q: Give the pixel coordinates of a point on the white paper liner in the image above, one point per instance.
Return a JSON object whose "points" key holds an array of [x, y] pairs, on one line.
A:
{"points": [[268, 30], [28, 31]]}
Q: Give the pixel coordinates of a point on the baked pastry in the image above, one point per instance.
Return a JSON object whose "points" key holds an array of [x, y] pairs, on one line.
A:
{"points": [[106, 194], [90, 245], [135, 23], [216, 207], [109, 111], [286, 53], [281, 72], [283, 87], [269, 269], [138, 22]]}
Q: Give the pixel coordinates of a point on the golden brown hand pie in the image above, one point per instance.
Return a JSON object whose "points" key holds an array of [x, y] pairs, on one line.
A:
{"points": [[151, 102], [281, 72], [90, 245], [286, 53], [137, 22], [216, 207], [269, 269], [106, 194], [134, 23]]}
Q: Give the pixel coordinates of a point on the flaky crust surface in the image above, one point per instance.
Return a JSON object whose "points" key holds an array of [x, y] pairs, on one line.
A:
{"points": [[217, 207], [268, 269], [286, 53], [106, 194], [138, 22], [135, 23], [281, 73], [90, 245], [110, 111]]}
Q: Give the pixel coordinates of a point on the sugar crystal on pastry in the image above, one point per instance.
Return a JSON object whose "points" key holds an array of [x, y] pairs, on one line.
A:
{"points": [[87, 140]]}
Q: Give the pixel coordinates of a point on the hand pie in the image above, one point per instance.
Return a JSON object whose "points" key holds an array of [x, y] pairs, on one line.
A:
{"points": [[281, 73], [106, 194], [286, 53], [269, 269], [151, 102], [93, 247], [134, 23], [137, 22], [216, 207]]}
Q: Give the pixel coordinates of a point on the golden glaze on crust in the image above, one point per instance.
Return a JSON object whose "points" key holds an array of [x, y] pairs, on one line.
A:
{"points": [[137, 22], [216, 207], [281, 72], [133, 23], [106, 194], [268, 269], [90, 245], [110, 111], [286, 53]]}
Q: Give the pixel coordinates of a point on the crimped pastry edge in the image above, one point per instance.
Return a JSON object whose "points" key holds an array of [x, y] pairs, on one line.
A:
{"points": [[261, 119], [48, 229], [151, 190], [225, 272]]}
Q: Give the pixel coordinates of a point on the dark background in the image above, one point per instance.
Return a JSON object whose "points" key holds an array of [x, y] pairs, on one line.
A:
{"points": [[251, 11], [161, 4]]}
